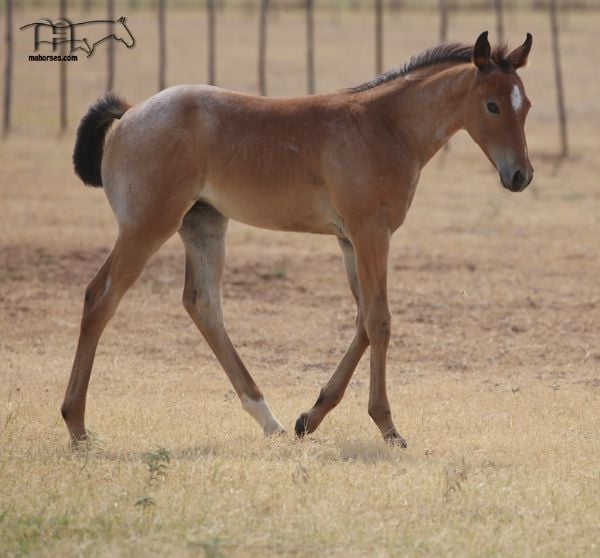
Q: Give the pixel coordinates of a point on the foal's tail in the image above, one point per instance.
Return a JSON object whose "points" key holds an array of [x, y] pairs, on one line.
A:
{"points": [[89, 143]]}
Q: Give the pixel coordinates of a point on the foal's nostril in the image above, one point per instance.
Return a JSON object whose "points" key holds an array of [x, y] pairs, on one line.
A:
{"points": [[518, 181]]}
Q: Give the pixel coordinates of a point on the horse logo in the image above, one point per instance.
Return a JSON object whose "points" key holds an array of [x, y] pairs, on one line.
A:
{"points": [[63, 31]]}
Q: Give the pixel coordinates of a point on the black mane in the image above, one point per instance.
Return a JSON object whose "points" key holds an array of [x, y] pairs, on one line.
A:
{"points": [[452, 53]]}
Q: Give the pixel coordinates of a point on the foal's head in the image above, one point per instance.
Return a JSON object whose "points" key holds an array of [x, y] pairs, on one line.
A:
{"points": [[496, 110]]}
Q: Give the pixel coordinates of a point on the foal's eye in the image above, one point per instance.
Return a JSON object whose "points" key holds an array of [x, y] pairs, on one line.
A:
{"points": [[493, 108]]}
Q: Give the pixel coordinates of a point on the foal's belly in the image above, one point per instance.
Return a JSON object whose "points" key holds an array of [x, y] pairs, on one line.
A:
{"points": [[277, 208]]}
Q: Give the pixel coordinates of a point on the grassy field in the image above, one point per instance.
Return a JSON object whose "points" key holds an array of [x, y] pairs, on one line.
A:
{"points": [[494, 365]]}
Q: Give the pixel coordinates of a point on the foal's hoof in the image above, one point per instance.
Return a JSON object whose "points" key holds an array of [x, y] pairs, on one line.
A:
{"points": [[85, 441], [275, 431], [79, 439], [301, 427], [78, 444], [394, 439]]}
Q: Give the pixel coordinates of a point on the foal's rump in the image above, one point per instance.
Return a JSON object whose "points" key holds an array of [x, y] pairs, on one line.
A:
{"points": [[255, 160]]}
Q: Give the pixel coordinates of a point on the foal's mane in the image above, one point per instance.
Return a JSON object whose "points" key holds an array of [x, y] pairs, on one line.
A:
{"points": [[449, 53]]}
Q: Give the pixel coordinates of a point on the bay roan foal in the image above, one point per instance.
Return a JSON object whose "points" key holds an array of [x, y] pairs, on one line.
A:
{"points": [[346, 164]]}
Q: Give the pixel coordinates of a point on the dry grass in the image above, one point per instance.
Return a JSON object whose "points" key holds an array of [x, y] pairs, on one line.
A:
{"points": [[493, 368]]}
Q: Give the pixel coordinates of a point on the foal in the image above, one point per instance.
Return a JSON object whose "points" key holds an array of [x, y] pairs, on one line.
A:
{"points": [[346, 164]]}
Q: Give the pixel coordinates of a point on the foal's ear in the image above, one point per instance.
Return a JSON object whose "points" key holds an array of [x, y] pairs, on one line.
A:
{"points": [[518, 57], [482, 51]]}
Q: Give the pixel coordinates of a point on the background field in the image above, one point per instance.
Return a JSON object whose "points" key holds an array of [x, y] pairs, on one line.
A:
{"points": [[494, 364]]}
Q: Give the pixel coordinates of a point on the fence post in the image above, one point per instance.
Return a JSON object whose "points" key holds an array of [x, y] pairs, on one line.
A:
{"points": [[162, 53], [212, 41], [62, 72], [378, 36], [443, 21], [110, 53], [262, 47], [499, 21], [8, 69], [310, 46], [560, 96]]}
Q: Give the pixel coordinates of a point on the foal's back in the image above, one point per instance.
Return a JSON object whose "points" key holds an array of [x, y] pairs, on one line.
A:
{"points": [[257, 160]]}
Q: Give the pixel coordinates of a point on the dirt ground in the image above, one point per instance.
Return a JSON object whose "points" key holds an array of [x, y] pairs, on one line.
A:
{"points": [[494, 363]]}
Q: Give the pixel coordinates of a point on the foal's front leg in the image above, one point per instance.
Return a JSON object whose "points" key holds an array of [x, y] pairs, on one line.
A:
{"points": [[371, 245]]}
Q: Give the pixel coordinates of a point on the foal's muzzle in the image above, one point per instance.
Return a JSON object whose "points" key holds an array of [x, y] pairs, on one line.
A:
{"points": [[516, 180]]}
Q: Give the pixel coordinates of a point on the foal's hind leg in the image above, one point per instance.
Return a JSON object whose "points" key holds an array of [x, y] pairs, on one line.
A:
{"points": [[203, 233], [334, 389], [123, 266]]}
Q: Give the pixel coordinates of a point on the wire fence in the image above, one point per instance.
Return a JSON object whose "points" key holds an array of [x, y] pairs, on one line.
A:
{"points": [[216, 9]]}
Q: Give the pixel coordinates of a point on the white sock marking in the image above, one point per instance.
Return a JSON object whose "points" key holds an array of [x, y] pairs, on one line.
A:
{"points": [[262, 414], [516, 98]]}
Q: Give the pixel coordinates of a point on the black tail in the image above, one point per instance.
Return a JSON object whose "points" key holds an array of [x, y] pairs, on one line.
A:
{"points": [[89, 143]]}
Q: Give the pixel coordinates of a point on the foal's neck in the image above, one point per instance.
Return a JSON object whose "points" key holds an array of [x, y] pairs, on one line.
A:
{"points": [[426, 110]]}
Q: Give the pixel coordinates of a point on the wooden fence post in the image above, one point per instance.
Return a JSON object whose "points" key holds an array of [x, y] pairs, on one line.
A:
{"points": [[262, 47], [8, 69], [443, 21], [162, 48], [62, 72], [560, 96], [378, 36], [310, 46], [110, 53], [499, 21], [212, 42]]}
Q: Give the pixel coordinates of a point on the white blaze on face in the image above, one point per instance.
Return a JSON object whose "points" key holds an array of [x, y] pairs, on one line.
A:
{"points": [[516, 98]]}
